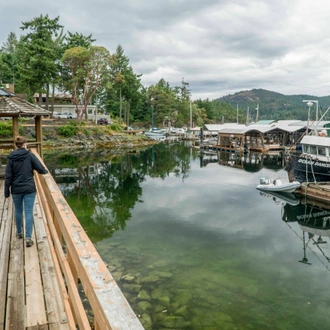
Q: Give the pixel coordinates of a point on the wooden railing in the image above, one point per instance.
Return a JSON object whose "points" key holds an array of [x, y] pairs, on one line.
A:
{"points": [[80, 261]]}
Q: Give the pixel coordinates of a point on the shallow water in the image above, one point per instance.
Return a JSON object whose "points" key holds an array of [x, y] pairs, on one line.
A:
{"points": [[198, 247]]}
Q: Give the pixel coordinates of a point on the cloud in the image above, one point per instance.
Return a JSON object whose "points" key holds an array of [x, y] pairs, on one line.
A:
{"points": [[217, 47]]}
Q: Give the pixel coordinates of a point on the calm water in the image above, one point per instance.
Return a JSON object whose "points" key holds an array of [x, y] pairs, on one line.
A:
{"points": [[193, 244]]}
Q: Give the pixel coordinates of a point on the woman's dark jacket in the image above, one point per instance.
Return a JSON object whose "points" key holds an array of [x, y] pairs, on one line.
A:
{"points": [[19, 172]]}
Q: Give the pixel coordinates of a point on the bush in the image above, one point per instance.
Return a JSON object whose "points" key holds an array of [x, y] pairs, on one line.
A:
{"points": [[6, 128], [86, 132], [116, 127], [68, 130]]}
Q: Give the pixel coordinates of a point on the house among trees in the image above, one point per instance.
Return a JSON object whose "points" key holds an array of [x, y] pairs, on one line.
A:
{"points": [[62, 103]]}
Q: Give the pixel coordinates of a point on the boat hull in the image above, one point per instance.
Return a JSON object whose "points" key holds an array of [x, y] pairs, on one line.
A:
{"points": [[283, 188], [155, 135], [309, 170]]}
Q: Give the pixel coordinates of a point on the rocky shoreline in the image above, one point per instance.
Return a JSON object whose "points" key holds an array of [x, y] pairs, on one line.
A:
{"points": [[92, 137]]}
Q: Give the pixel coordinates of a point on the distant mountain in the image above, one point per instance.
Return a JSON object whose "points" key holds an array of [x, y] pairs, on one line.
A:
{"points": [[276, 106]]}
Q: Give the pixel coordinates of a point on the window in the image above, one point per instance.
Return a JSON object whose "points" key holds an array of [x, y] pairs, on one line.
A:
{"points": [[306, 149], [322, 151], [313, 150]]}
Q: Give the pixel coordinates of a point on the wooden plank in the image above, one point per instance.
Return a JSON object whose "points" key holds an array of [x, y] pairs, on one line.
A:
{"points": [[5, 229], [56, 316], [35, 305], [15, 313], [318, 191]]}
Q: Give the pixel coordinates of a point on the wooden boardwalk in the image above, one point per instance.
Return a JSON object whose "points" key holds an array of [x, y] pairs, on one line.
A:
{"points": [[28, 278], [39, 284]]}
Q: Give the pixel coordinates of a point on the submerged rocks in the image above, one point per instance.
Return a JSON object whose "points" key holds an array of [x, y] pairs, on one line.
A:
{"points": [[143, 295], [174, 322], [132, 288]]}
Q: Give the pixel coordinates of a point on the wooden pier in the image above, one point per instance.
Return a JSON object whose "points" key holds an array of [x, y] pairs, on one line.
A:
{"points": [[319, 191], [39, 284]]}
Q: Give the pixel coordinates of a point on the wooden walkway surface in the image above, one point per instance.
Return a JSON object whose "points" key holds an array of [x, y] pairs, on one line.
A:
{"points": [[29, 290]]}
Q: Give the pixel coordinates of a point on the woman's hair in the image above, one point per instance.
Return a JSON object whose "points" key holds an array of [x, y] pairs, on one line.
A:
{"points": [[19, 141]]}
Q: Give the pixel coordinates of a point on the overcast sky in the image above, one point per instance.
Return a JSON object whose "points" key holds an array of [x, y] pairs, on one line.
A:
{"points": [[219, 47]]}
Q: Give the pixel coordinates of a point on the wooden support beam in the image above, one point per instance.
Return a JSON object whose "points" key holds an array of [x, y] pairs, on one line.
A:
{"points": [[38, 130], [15, 129]]}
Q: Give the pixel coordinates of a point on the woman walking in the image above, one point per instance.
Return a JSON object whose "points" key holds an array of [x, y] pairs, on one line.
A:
{"points": [[19, 182]]}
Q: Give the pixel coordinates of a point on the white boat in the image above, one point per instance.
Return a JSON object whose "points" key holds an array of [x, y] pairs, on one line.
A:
{"points": [[210, 141], [277, 185], [312, 164]]}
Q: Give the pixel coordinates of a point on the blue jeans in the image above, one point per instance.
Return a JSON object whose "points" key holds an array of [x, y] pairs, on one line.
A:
{"points": [[28, 201]]}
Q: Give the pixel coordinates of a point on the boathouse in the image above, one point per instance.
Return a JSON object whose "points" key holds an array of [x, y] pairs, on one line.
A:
{"points": [[263, 136]]}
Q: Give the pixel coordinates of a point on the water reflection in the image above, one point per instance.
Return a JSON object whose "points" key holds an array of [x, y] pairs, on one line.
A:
{"points": [[313, 220], [250, 161], [106, 186], [200, 248]]}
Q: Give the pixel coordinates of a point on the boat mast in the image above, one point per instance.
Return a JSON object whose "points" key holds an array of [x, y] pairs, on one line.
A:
{"points": [[190, 115], [257, 115], [152, 117]]}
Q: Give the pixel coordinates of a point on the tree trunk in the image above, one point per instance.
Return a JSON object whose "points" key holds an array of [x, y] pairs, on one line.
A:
{"points": [[120, 106], [125, 113], [47, 97], [53, 97], [128, 111]]}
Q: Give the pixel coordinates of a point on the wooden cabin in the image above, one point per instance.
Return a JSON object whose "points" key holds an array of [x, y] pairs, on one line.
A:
{"points": [[260, 138], [231, 139]]}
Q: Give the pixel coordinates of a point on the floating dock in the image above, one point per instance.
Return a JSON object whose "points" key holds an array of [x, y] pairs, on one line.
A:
{"points": [[319, 191]]}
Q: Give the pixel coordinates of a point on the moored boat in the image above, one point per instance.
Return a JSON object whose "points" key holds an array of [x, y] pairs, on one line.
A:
{"points": [[277, 185], [312, 164]]}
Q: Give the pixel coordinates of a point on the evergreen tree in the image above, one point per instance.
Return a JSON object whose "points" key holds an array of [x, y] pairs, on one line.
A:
{"points": [[78, 40], [37, 66], [8, 60]]}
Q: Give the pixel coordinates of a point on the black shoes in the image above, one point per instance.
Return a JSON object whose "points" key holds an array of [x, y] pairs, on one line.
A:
{"points": [[29, 242], [19, 235]]}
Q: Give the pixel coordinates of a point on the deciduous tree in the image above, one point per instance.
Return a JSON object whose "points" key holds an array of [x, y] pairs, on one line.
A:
{"points": [[90, 70]]}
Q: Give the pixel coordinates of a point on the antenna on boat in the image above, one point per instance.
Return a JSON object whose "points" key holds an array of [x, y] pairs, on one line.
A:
{"points": [[257, 115]]}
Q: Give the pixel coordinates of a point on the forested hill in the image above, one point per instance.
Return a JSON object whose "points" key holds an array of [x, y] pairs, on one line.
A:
{"points": [[276, 106]]}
